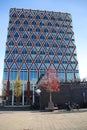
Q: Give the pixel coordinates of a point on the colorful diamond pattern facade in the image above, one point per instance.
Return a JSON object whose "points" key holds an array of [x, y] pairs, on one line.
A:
{"points": [[38, 40]]}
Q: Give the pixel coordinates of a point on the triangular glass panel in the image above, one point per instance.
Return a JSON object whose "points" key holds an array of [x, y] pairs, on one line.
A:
{"points": [[42, 67], [51, 53], [47, 62], [69, 68], [68, 54], [73, 62], [19, 61], [56, 62], [14, 67], [23, 67], [38, 45], [59, 54], [15, 52], [60, 68], [28, 62], [52, 67], [24, 52], [29, 44], [38, 62], [16, 36], [20, 44], [33, 53], [33, 67], [25, 37], [9, 61], [64, 62]]}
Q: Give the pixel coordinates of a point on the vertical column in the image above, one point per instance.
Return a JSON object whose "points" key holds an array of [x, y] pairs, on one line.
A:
{"points": [[23, 95], [8, 88], [33, 101], [12, 94], [28, 89]]}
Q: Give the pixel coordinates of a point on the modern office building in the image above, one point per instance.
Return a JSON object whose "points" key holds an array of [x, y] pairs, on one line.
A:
{"points": [[38, 40]]}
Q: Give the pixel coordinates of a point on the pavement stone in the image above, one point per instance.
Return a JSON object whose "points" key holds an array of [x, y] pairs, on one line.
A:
{"points": [[36, 120]]}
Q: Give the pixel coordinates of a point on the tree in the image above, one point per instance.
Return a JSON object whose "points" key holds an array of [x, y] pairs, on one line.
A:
{"points": [[17, 88], [50, 83]]}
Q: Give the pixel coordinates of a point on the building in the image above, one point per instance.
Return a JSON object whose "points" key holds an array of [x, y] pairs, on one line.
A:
{"points": [[38, 40]]}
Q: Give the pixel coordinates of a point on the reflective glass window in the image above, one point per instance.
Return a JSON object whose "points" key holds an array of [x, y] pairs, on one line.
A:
{"points": [[33, 75]]}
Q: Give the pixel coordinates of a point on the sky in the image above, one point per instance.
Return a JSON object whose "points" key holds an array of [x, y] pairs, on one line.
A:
{"points": [[78, 10]]}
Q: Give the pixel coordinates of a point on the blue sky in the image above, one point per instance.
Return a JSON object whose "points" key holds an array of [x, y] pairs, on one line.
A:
{"points": [[78, 10]]}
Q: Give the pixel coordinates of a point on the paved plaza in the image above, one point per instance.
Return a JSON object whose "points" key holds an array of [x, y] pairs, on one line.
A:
{"points": [[35, 120]]}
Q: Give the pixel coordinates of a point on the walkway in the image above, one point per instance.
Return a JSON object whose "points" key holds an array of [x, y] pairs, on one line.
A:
{"points": [[35, 120]]}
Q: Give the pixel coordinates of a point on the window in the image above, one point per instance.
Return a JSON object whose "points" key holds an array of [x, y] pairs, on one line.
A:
{"points": [[21, 29], [61, 76], [24, 51], [11, 44], [33, 52], [56, 61], [33, 37], [45, 17], [42, 52], [37, 17], [29, 60], [14, 15], [33, 23], [22, 16], [66, 39], [29, 44], [30, 29], [37, 44], [46, 30], [50, 38], [38, 60], [15, 51], [52, 18], [10, 60], [46, 44], [61, 31], [70, 76], [57, 25], [47, 60], [55, 45], [51, 52], [53, 31], [17, 22], [20, 44], [49, 24], [25, 37], [5, 75], [60, 19], [12, 29], [30, 16], [37, 30], [33, 75], [26, 22], [58, 38], [16, 36], [42, 37], [19, 60], [41, 23]]}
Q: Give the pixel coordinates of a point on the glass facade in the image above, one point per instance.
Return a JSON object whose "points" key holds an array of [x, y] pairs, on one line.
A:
{"points": [[38, 40]]}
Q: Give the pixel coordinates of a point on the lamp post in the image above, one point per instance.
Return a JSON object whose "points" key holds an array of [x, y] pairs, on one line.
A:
{"points": [[33, 101]]}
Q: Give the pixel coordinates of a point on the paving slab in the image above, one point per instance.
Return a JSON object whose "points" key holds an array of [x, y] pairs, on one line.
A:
{"points": [[36, 120]]}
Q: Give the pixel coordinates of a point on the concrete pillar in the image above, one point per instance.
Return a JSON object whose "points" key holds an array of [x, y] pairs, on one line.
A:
{"points": [[23, 95], [12, 94]]}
